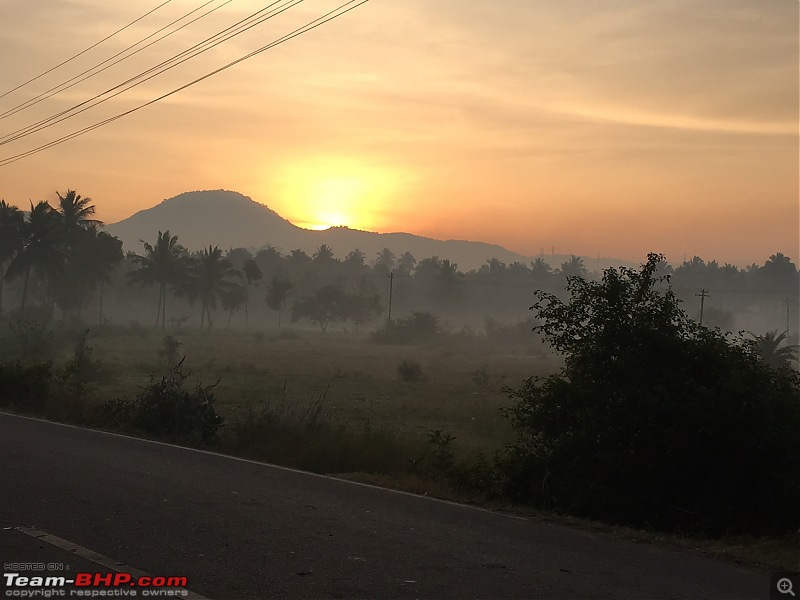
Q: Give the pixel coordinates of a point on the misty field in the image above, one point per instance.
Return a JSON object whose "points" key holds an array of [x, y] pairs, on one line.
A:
{"points": [[346, 377]]}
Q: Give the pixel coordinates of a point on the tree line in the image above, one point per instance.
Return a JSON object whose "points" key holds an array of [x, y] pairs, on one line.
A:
{"points": [[59, 257]]}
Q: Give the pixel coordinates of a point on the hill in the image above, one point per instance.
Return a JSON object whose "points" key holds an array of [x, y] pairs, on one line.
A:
{"points": [[229, 219]]}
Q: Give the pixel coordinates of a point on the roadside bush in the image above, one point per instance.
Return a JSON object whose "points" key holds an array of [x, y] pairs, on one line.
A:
{"points": [[166, 410], [26, 387], [655, 421]]}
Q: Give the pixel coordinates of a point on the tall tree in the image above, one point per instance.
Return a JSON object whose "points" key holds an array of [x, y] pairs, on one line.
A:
{"points": [[277, 292], [12, 223], [208, 279], [41, 251], [76, 212], [252, 272], [163, 263]]}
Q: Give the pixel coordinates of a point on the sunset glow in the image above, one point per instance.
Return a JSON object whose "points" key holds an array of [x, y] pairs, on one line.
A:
{"points": [[589, 128], [332, 192]]}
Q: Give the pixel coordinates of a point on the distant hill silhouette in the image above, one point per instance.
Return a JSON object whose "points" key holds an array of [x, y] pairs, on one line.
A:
{"points": [[230, 220]]}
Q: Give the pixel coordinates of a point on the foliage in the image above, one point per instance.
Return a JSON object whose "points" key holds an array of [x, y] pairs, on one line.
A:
{"points": [[418, 327], [26, 386], [166, 410], [654, 421], [163, 263], [768, 348], [410, 371], [208, 278], [331, 304], [170, 350]]}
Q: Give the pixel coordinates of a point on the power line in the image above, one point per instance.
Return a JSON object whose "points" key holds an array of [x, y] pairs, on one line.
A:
{"points": [[63, 86], [311, 25], [108, 37], [188, 54]]}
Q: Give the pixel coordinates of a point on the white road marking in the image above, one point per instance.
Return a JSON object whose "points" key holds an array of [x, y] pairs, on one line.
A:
{"points": [[90, 555]]}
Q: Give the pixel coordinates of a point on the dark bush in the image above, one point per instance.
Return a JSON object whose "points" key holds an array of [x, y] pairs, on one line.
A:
{"points": [[654, 421], [165, 409], [418, 327], [409, 371], [26, 387]]}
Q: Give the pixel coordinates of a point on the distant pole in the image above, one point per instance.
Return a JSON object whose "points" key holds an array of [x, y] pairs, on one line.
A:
{"points": [[703, 295], [391, 285], [788, 300]]}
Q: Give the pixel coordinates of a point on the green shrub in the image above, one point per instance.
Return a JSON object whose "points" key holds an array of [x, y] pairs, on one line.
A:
{"points": [[166, 410], [654, 421]]}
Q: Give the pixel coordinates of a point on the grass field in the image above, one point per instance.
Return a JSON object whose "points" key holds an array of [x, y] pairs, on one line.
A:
{"points": [[351, 379]]}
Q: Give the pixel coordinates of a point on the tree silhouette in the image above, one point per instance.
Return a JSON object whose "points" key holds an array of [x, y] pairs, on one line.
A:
{"points": [[323, 307], [12, 223], [107, 255], [406, 263], [164, 263], [41, 251], [208, 278], [574, 267], [277, 292], [252, 272], [769, 350], [76, 211], [386, 260]]}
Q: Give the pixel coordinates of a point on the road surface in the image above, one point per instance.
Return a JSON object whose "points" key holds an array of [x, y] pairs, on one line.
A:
{"points": [[240, 529]]}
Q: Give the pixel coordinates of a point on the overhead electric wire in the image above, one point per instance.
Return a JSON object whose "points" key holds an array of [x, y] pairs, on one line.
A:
{"points": [[236, 29], [63, 85], [108, 37], [327, 17]]}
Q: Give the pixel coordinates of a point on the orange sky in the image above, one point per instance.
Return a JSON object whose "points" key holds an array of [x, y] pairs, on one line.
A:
{"points": [[618, 127]]}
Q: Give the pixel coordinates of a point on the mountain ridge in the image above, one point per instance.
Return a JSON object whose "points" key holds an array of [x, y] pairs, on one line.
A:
{"points": [[229, 219]]}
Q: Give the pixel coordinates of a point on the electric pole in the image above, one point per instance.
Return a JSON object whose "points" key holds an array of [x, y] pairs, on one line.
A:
{"points": [[703, 295], [788, 301], [391, 285]]}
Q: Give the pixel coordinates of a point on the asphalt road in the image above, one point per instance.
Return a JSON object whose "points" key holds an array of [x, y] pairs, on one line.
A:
{"points": [[238, 529]]}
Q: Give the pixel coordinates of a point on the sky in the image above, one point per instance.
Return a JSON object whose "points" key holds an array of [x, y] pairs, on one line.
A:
{"points": [[611, 128]]}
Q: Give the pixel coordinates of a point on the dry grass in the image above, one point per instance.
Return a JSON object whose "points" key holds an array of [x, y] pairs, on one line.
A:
{"points": [[355, 379]]}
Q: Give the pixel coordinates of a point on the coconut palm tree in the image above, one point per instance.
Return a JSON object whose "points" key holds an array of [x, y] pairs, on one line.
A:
{"points": [[76, 211], [768, 348], [208, 279], [164, 263], [12, 222], [97, 255], [41, 251], [252, 272]]}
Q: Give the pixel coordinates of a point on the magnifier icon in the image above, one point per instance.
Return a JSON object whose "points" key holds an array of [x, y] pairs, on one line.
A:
{"points": [[785, 586]]}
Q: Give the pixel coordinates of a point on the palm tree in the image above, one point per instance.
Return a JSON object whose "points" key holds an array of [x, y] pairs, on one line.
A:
{"points": [[252, 272], [163, 263], [208, 279], [41, 251], [768, 349], [277, 292], [12, 222], [106, 254], [76, 211]]}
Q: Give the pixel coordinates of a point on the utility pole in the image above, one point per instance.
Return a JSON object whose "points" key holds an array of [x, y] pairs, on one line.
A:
{"points": [[703, 295], [391, 285], [788, 301]]}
